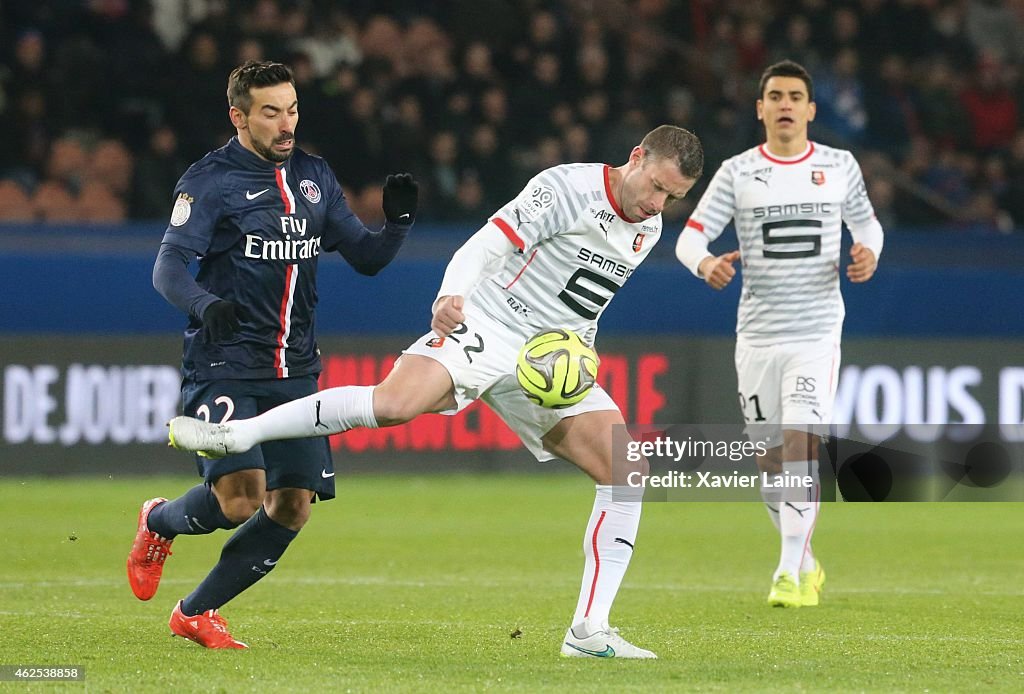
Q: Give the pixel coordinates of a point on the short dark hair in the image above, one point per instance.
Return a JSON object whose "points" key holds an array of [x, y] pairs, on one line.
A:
{"points": [[673, 142], [256, 74], [787, 68]]}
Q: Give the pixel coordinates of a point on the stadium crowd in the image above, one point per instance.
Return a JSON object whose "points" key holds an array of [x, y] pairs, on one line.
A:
{"points": [[106, 101]]}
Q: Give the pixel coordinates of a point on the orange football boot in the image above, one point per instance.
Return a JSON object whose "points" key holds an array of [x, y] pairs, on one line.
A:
{"points": [[149, 552], [207, 629]]}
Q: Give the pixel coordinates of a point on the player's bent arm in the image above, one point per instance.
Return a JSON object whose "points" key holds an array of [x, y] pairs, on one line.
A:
{"points": [[692, 250], [479, 257], [176, 284], [369, 252]]}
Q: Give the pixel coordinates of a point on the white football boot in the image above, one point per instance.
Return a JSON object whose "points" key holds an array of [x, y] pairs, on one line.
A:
{"points": [[195, 435], [588, 640]]}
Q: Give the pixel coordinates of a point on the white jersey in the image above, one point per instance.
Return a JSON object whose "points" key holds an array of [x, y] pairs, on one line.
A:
{"points": [[788, 215], [575, 250]]}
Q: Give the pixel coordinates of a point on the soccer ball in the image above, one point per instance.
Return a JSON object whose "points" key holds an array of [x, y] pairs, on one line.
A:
{"points": [[556, 368]]}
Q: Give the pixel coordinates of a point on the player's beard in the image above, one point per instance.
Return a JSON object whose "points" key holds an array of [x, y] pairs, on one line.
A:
{"points": [[269, 153]]}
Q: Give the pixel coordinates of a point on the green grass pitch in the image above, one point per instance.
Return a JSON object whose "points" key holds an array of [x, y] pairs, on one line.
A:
{"points": [[416, 584]]}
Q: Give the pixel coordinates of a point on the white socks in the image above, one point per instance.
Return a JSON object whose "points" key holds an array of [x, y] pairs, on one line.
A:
{"points": [[772, 500], [330, 411], [607, 547], [798, 512]]}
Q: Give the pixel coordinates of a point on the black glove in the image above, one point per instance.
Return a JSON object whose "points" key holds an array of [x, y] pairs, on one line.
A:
{"points": [[221, 320], [401, 193]]}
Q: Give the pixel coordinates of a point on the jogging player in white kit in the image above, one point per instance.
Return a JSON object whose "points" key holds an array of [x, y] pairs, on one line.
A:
{"points": [[552, 258], [788, 199]]}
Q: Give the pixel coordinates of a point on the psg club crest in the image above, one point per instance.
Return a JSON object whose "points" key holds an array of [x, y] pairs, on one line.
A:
{"points": [[818, 178], [638, 242], [310, 190]]}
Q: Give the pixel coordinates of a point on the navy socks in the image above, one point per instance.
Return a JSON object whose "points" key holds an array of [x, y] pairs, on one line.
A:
{"points": [[250, 554], [196, 512]]}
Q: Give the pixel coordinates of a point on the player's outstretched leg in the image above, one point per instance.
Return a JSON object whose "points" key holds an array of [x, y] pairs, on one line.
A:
{"points": [[328, 412]]}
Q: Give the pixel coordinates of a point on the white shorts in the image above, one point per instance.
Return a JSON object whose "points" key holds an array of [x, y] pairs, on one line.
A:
{"points": [[787, 386], [481, 359]]}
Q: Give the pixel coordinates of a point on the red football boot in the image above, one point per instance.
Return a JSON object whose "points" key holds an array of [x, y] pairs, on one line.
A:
{"points": [[149, 552], [207, 629]]}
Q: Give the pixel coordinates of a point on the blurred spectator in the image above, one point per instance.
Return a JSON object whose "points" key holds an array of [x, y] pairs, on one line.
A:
{"points": [[798, 46], [357, 149], [839, 94], [23, 154], [156, 172], [199, 116], [52, 202], [994, 28], [539, 94], [883, 195], [486, 159], [334, 40], [14, 203], [939, 105], [112, 164], [442, 180], [891, 107], [66, 162], [470, 202], [991, 107], [478, 71], [1013, 197], [97, 203]]}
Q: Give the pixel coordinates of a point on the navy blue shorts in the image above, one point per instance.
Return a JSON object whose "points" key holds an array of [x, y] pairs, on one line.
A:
{"points": [[298, 463]]}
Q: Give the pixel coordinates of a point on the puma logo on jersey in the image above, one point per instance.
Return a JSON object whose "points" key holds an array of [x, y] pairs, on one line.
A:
{"points": [[762, 180], [604, 229]]}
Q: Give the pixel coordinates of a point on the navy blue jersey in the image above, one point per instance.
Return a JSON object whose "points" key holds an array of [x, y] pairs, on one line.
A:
{"points": [[259, 229]]}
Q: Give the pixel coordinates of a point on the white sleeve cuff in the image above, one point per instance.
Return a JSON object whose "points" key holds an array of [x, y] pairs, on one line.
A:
{"points": [[871, 236], [692, 249]]}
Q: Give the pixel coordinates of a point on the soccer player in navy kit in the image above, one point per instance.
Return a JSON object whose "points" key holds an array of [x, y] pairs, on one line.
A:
{"points": [[257, 212]]}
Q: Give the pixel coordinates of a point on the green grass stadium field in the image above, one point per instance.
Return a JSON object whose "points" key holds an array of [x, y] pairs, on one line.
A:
{"points": [[417, 583]]}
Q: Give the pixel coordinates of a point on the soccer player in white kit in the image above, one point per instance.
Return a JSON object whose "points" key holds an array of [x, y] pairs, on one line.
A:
{"points": [[551, 258], [788, 199]]}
